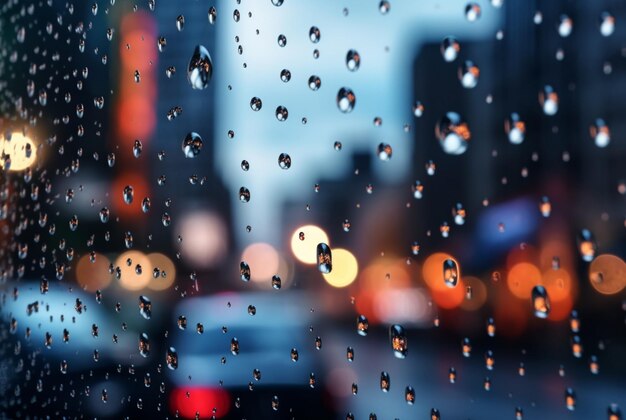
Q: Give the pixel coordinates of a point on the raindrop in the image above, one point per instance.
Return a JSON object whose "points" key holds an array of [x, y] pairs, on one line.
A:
{"points": [[565, 26], [128, 194], [399, 342], [282, 40], [515, 128], [314, 34], [468, 74], [450, 272], [384, 151], [180, 22], [607, 24], [549, 100], [450, 49], [587, 246], [385, 381], [285, 75], [472, 12], [256, 104], [453, 133], [600, 133], [171, 358], [244, 271], [212, 15], [353, 60], [362, 325], [324, 258], [346, 99], [244, 195], [281, 113], [192, 145], [200, 68], [540, 302], [284, 161], [315, 83]]}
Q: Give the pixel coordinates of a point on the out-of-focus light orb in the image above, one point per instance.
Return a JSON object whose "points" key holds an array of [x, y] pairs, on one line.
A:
{"points": [[94, 275], [263, 260], [408, 306], [433, 271], [205, 239], [166, 273], [607, 274], [130, 279], [521, 279], [475, 293], [304, 243], [345, 268], [21, 149]]}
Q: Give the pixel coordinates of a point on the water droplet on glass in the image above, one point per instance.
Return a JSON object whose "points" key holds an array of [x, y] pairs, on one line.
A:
{"points": [[472, 12], [324, 258], [244, 271], [282, 40], [145, 307], [192, 145], [607, 24], [385, 381], [450, 49], [549, 100], [285, 75], [362, 325], [200, 68], [314, 83], [353, 60], [171, 358], [212, 15], [384, 151], [540, 302], [244, 195], [468, 74], [256, 104], [515, 128], [383, 7], [281, 113], [450, 272], [128, 194], [600, 133], [346, 100], [314, 34], [399, 342], [144, 345], [453, 133], [284, 161], [587, 246], [566, 24]]}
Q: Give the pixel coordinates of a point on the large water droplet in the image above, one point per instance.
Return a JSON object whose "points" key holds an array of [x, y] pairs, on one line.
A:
{"points": [[453, 133], [346, 100], [192, 145], [399, 342], [324, 258], [353, 60], [540, 302], [200, 68]]}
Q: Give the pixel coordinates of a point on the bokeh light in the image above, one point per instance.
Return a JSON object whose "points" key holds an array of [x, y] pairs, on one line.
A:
{"points": [[21, 149], [94, 275], [521, 279], [607, 274], [263, 260], [205, 239], [132, 278], [345, 268], [305, 249]]}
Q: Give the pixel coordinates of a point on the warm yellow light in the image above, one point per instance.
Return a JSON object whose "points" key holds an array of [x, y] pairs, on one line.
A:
{"points": [[92, 272], [21, 149], [263, 260], [134, 277], [345, 269], [304, 243], [166, 275]]}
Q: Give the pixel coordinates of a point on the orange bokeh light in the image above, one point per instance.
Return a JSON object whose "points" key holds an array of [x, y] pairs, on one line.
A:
{"points": [[94, 275], [478, 293], [607, 274], [521, 279]]}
